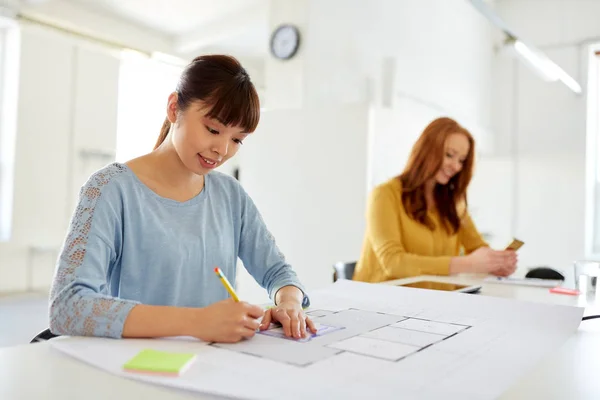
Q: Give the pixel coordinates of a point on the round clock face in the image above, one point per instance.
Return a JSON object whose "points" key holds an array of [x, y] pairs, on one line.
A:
{"points": [[285, 42]]}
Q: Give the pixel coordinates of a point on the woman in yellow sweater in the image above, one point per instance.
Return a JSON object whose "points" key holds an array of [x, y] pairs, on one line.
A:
{"points": [[418, 222]]}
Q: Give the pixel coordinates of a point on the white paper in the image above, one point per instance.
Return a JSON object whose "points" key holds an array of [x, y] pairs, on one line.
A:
{"points": [[422, 325], [375, 348], [406, 336], [397, 342]]}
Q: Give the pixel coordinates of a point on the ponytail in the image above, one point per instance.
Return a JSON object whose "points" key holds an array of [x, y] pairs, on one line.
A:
{"points": [[164, 131]]}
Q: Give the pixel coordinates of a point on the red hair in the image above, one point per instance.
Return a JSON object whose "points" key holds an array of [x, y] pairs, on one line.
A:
{"points": [[425, 161]]}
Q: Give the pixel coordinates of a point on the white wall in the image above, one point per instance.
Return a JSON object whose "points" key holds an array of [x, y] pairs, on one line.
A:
{"points": [[394, 131], [413, 60], [307, 173], [443, 55], [541, 127], [66, 128], [419, 59], [439, 51]]}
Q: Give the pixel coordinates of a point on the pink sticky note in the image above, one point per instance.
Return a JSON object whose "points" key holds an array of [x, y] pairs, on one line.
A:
{"points": [[562, 290]]}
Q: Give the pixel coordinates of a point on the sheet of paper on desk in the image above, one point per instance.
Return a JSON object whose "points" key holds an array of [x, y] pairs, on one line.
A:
{"points": [[409, 343]]}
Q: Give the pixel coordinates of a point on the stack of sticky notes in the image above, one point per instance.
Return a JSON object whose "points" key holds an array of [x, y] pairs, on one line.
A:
{"points": [[156, 362]]}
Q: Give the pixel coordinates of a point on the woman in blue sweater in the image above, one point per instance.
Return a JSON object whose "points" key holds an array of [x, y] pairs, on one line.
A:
{"points": [[146, 235]]}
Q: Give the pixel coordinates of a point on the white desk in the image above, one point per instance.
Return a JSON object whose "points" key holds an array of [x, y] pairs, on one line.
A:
{"points": [[571, 372], [39, 372], [526, 293]]}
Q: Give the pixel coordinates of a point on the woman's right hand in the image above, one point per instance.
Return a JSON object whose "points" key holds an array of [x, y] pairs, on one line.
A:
{"points": [[495, 262], [226, 321]]}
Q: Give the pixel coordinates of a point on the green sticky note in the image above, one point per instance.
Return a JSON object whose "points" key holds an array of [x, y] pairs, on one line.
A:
{"points": [[159, 362]]}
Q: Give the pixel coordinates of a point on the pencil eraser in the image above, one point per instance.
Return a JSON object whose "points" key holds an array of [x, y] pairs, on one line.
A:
{"points": [[562, 290]]}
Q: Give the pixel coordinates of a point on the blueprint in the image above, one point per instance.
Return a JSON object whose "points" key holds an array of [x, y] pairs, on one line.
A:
{"points": [[396, 340], [381, 336]]}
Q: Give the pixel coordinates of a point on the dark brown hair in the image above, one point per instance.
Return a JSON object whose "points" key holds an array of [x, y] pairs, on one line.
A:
{"points": [[221, 83], [425, 161]]}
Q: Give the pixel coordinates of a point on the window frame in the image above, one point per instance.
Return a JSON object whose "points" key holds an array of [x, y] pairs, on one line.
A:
{"points": [[9, 83], [592, 171]]}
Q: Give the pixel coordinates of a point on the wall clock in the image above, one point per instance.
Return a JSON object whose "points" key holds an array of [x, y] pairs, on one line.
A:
{"points": [[285, 41]]}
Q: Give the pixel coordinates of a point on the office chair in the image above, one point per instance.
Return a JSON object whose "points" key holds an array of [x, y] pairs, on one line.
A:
{"points": [[43, 336], [343, 270]]}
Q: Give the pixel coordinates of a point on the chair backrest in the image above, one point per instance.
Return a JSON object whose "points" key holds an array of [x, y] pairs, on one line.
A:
{"points": [[43, 336], [343, 270]]}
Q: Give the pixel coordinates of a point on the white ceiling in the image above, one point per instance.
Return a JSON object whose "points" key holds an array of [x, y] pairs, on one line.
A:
{"points": [[239, 26], [170, 16]]}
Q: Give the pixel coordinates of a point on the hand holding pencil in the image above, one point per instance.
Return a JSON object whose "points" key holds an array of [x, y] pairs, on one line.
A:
{"points": [[227, 321], [288, 312]]}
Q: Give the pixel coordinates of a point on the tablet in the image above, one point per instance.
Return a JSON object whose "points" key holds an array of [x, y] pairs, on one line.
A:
{"points": [[448, 287]]}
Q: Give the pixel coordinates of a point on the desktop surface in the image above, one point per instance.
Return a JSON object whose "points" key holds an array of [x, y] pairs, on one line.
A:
{"points": [[39, 371]]}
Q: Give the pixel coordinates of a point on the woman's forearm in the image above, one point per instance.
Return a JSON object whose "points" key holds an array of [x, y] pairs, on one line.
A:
{"points": [[460, 264], [145, 321]]}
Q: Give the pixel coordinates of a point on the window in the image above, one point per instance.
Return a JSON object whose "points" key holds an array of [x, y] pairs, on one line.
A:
{"points": [[592, 236], [144, 86], [4, 178], [9, 78]]}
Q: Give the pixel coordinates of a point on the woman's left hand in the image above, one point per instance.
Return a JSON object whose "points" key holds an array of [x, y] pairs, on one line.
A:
{"points": [[291, 317]]}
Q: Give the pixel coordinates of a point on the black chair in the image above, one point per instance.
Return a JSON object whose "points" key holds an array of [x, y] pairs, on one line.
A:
{"points": [[343, 270], [43, 336]]}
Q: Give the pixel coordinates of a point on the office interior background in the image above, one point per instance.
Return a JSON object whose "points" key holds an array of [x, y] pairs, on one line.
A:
{"points": [[85, 82]]}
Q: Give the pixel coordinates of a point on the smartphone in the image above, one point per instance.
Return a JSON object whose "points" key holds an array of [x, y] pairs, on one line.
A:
{"points": [[515, 245]]}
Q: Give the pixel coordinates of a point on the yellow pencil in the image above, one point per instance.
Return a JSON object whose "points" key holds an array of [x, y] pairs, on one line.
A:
{"points": [[226, 283]]}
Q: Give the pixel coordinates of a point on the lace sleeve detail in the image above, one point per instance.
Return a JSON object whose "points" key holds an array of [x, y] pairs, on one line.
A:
{"points": [[79, 301]]}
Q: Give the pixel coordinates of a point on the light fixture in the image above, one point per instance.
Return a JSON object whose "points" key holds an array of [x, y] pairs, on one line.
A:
{"points": [[539, 63], [536, 61], [534, 58]]}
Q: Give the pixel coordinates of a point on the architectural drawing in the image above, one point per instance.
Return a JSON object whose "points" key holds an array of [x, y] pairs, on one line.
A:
{"points": [[372, 334], [406, 340]]}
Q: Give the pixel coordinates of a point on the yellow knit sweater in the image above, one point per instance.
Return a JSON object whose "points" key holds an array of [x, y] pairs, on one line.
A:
{"points": [[396, 246]]}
